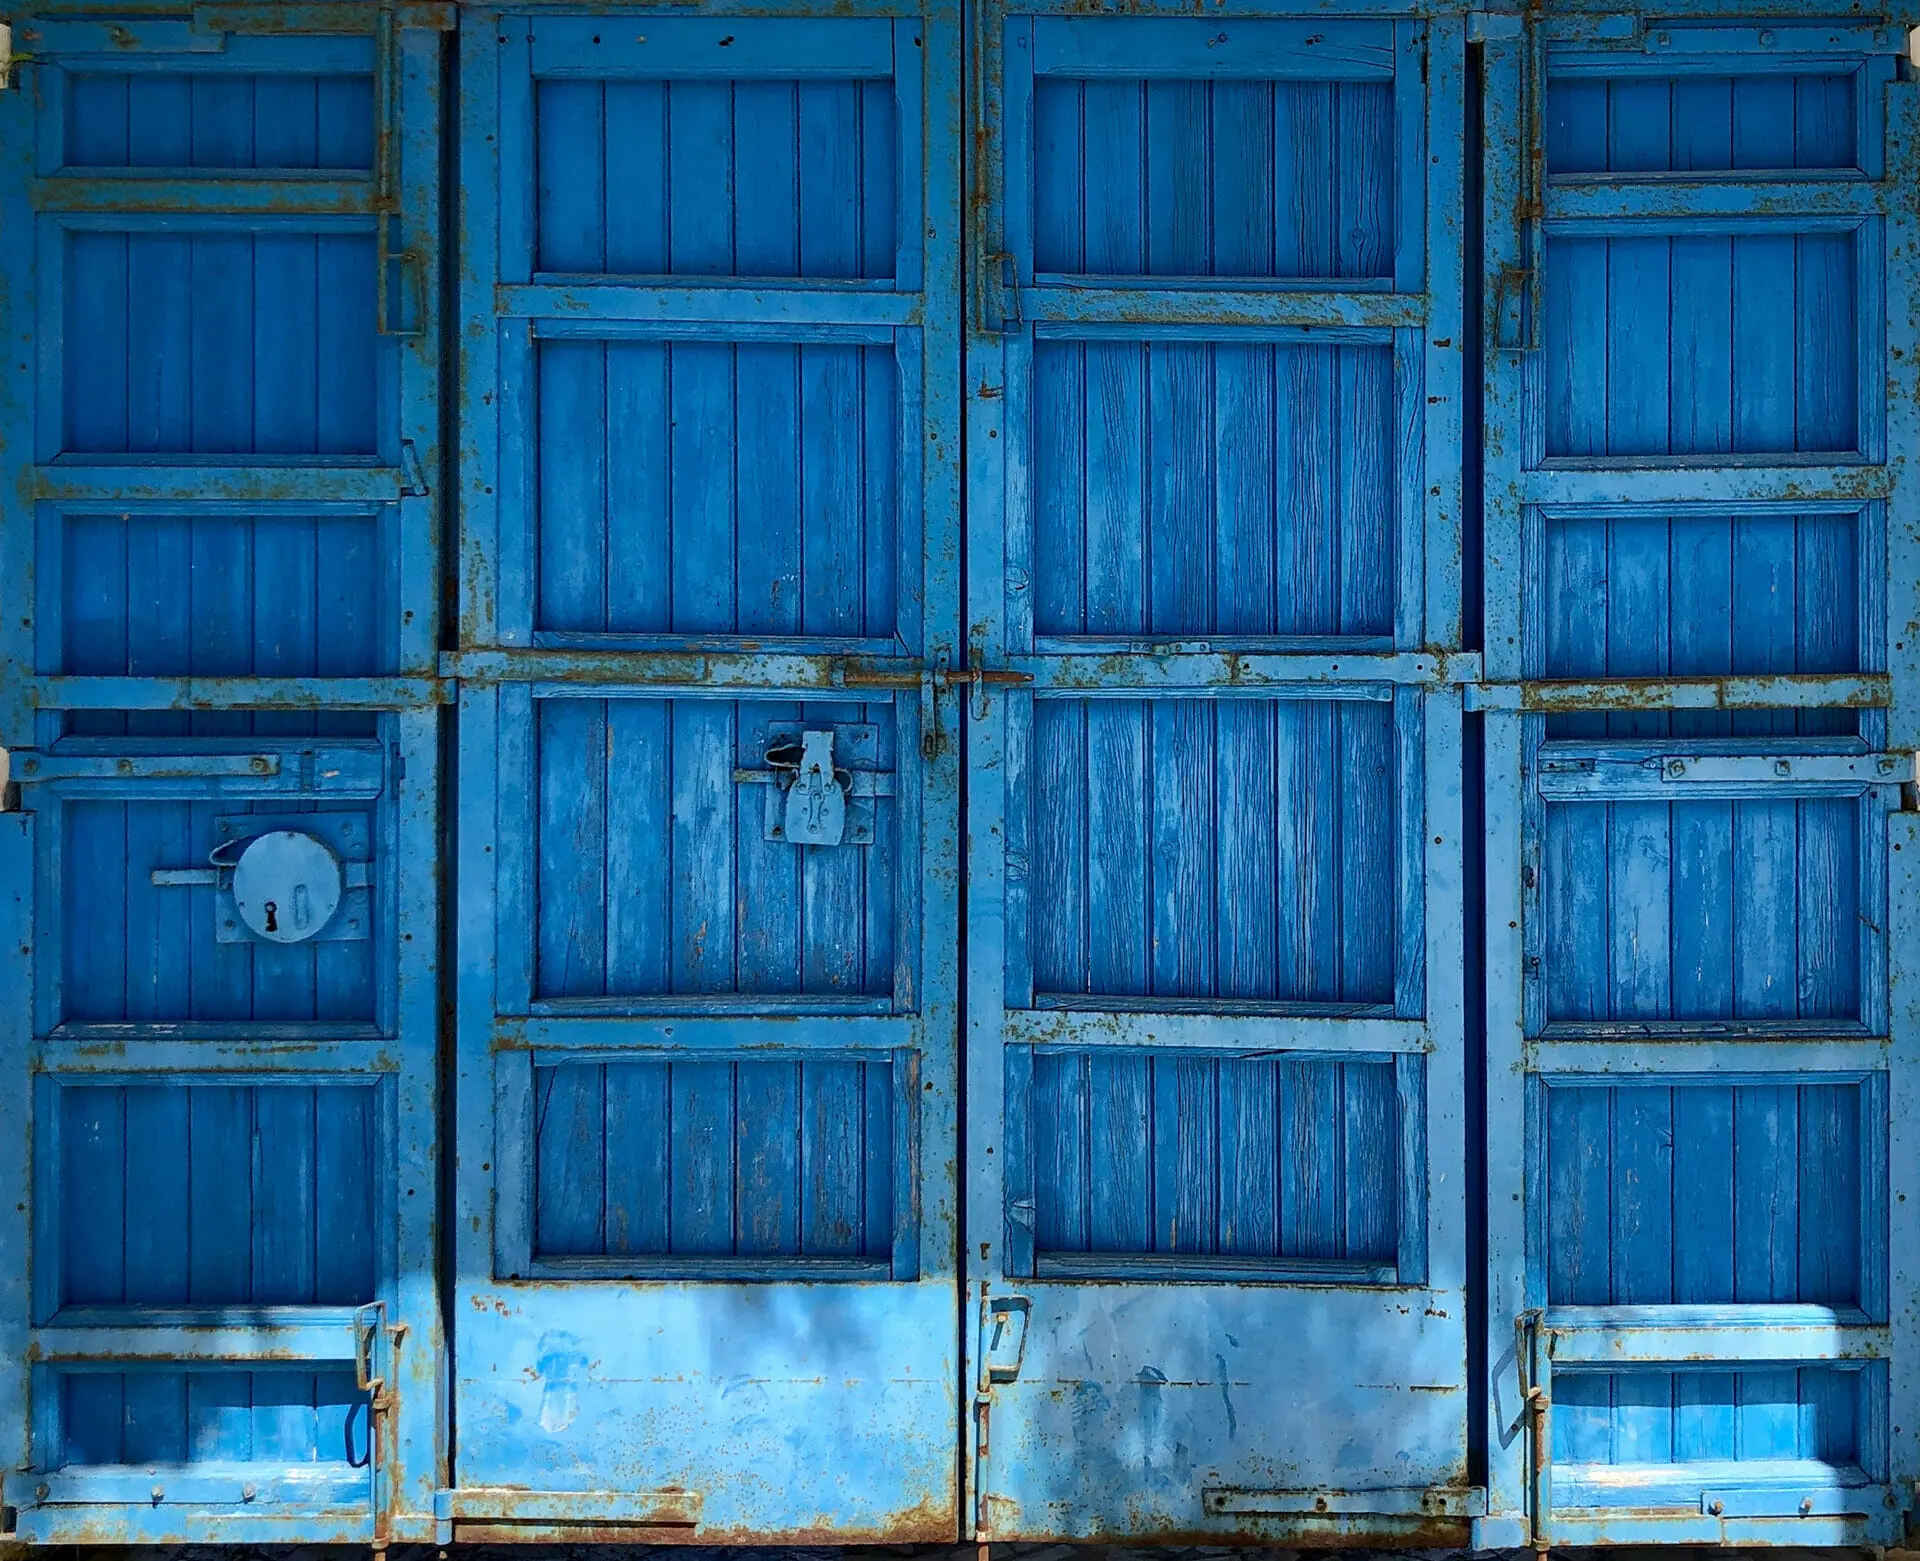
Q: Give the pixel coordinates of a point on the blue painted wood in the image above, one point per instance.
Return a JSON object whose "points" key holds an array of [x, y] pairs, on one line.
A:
{"points": [[260, 530], [1704, 1193], [1689, 1417], [1160, 1153]]}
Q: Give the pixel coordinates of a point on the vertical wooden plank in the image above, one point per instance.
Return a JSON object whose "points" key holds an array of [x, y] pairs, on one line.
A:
{"points": [[93, 1417], [1766, 1210], [1639, 598], [1827, 612], [1181, 488], [1765, 567], [1116, 527], [768, 920], [832, 514], [636, 181], [95, 913], [1703, 1197], [1183, 848], [220, 1416], [1241, 174], [1244, 910], [1643, 1417], [1583, 1417], [636, 846], [1639, 892], [1765, 902], [1059, 842], [1245, 562], [1121, 1147], [1642, 1197], [1363, 180], [829, 163], [1316, 869], [1700, 618], [1703, 909], [1179, 216], [703, 426], [1763, 355], [1371, 1184], [704, 884], [573, 847], [1059, 177], [1113, 117], [1703, 1415], [155, 1208], [1366, 543], [1249, 1157], [572, 461], [93, 1154], [639, 1182], [1826, 342], [155, 1424], [1766, 1415], [1579, 1153], [1575, 902], [701, 1154], [701, 198], [638, 526], [1575, 343], [832, 916], [1828, 911], [1702, 125], [1186, 1153], [832, 1110], [283, 1209], [769, 1127], [1369, 814], [1829, 1194], [1062, 573], [1063, 1187], [220, 1193], [345, 1175], [1117, 850], [879, 154], [1311, 415], [284, 1421], [570, 1160], [797, 422], [1313, 1163], [572, 162], [879, 1150]]}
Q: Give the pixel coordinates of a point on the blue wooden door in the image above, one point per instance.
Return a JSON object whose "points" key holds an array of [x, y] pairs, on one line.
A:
{"points": [[1215, 1256], [708, 770], [1700, 534], [218, 1017]]}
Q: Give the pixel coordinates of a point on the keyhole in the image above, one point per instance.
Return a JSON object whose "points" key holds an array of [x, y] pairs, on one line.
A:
{"points": [[273, 916]]}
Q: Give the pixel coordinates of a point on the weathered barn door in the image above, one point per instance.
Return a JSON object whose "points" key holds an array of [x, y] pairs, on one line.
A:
{"points": [[1215, 1246], [1702, 548], [217, 1009], [708, 867]]}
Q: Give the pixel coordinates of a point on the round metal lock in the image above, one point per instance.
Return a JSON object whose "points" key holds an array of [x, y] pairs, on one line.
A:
{"points": [[287, 885]]}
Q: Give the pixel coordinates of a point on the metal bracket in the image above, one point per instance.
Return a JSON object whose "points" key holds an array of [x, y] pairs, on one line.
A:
{"points": [[372, 1344], [821, 783], [306, 877], [1004, 1323], [1531, 1364]]}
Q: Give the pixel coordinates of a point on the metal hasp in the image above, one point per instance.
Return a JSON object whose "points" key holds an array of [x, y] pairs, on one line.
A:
{"points": [[279, 883], [813, 799]]}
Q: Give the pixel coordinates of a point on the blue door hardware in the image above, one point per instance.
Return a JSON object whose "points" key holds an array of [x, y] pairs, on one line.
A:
{"points": [[814, 800], [854, 803]]}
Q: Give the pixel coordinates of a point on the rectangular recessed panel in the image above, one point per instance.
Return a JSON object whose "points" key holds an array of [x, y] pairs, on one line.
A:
{"points": [[1702, 345], [654, 873], [218, 121], [718, 178], [217, 1194], [715, 1158], [212, 1415], [1192, 848], [1681, 1417], [1213, 488], [1638, 595], [718, 488], [137, 950], [222, 595], [1748, 909], [220, 342], [1223, 178], [1163, 1153], [1704, 1193], [1700, 124]]}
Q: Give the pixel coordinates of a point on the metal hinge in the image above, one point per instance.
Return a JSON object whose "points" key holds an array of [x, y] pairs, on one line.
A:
{"points": [[1004, 1324], [1536, 1409]]}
